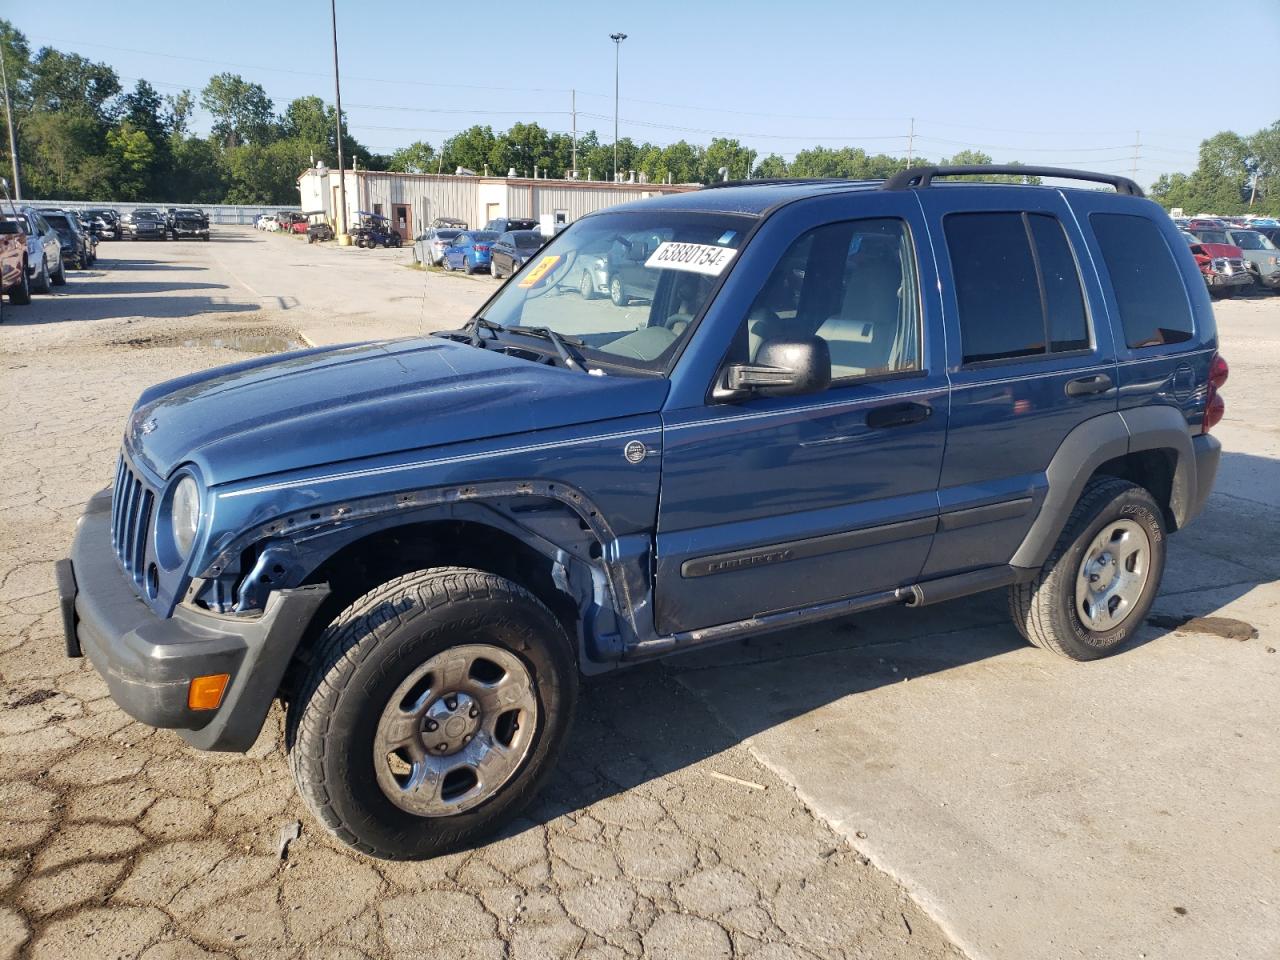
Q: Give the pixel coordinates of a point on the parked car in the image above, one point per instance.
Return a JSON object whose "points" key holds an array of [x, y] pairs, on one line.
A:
{"points": [[894, 394], [450, 223], [506, 224], [318, 229], [105, 221], [77, 250], [375, 230], [294, 222], [189, 222], [13, 255], [1221, 265], [268, 222], [620, 270], [1206, 223], [145, 223], [45, 269], [1260, 255], [429, 247], [469, 251], [509, 252], [1271, 233]]}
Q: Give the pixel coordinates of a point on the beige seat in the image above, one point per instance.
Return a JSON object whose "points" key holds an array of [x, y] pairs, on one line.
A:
{"points": [[863, 335]]}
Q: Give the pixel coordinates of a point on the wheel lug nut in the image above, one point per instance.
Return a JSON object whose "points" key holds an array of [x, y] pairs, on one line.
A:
{"points": [[442, 747], [451, 703], [432, 725], [475, 712]]}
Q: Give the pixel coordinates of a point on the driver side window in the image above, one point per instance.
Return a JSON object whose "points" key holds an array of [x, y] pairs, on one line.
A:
{"points": [[852, 284]]}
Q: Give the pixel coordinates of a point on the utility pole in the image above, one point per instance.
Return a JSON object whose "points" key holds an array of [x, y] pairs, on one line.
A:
{"points": [[1137, 148], [911, 142], [344, 238], [617, 39], [1253, 188], [13, 137], [573, 109]]}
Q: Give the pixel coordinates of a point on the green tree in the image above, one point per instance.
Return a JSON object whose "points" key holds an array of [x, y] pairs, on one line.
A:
{"points": [[771, 166], [68, 82], [242, 111], [130, 154], [418, 157], [727, 154], [471, 148]]}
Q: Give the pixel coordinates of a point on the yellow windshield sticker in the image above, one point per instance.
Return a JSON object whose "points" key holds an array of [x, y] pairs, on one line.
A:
{"points": [[536, 275]]}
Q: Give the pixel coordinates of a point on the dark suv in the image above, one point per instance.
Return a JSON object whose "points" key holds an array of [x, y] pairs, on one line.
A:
{"points": [[837, 396]]}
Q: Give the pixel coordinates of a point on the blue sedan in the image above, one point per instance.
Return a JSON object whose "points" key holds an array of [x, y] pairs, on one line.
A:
{"points": [[469, 251]]}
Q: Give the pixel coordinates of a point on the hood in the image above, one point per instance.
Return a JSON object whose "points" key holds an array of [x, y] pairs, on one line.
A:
{"points": [[1222, 250], [316, 407]]}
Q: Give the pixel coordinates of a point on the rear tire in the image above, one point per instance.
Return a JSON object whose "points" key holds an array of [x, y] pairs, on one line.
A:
{"points": [[20, 295], [60, 277], [618, 293], [1097, 586], [471, 649]]}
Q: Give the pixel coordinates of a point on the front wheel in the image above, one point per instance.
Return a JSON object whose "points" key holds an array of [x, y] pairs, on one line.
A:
{"points": [[493, 268], [1100, 580], [617, 293], [59, 277], [432, 710], [43, 284]]}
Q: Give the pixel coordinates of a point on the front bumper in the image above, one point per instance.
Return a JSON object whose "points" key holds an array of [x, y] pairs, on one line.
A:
{"points": [[149, 662], [181, 231], [1220, 280]]}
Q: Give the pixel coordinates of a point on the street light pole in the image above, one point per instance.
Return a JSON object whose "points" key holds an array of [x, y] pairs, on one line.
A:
{"points": [[337, 96], [617, 39]]}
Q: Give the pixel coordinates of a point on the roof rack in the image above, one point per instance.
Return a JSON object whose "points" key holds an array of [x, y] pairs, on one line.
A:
{"points": [[766, 182], [923, 176]]}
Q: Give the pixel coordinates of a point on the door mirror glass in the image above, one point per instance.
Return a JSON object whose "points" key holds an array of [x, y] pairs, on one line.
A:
{"points": [[783, 368]]}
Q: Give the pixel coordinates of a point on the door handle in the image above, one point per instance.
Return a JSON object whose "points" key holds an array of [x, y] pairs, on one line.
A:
{"points": [[898, 415], [1099, 383]]}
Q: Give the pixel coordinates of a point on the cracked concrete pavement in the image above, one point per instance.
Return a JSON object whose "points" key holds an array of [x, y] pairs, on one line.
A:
{"points": [[659, 836], [901, 784]]}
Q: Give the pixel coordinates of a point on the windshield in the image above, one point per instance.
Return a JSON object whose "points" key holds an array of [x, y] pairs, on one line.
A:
{"points": [[1213, 236], [484, 236], [628, 285], [1250, 240]]}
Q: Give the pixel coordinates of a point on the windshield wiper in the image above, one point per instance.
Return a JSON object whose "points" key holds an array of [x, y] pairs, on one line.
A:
{"points": [[480, 323], [558, 342]]}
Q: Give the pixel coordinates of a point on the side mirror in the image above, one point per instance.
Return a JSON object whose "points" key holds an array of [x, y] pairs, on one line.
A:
{"points": [[784, 368]]}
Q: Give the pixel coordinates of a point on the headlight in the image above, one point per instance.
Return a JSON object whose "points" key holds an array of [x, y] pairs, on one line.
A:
{"points": [[184, 514]]}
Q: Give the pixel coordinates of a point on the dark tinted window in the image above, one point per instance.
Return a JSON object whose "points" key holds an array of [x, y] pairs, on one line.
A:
{"points": [[996, 289], [1064, 303], [1017, 286], [57, 221], [528, 241], [1148, 288]]}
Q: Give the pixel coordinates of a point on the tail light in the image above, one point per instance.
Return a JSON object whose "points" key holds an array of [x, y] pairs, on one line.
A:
{"points": [[1215, 406], [481, 248]]}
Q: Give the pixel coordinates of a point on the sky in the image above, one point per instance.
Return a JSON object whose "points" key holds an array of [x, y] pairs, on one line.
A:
{"points": [[1087, 84]]}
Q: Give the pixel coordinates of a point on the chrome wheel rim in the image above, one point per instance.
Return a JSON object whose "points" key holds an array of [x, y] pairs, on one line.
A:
{"points": [[455, 730], [1113, 575], [584, 286]]}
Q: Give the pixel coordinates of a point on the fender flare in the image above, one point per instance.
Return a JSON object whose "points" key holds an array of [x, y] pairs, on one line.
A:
{"points": [[1089, 446]]}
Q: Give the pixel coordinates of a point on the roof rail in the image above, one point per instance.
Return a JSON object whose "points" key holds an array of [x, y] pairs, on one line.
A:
{"points": [[766, 182], [923, 176]]}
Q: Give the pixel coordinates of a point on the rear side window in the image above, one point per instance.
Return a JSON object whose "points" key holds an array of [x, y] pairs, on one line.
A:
{"points": [[1017, 286], [1148, 287]]}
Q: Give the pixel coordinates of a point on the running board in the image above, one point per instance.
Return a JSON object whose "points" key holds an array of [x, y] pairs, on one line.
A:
{"points": [[917, 595]]}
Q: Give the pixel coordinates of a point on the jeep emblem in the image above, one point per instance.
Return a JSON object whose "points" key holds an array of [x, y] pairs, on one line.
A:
{"points": [[635, 452]]}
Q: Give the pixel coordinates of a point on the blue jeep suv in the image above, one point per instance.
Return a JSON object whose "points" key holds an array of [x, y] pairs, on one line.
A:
{"points": [[834, 396]]}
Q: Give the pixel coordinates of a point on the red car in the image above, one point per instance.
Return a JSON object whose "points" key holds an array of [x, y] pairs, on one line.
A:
{"points": [[1222, 266]]}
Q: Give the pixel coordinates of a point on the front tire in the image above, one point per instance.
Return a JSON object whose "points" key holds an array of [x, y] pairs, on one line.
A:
{"points": [[431, 711], [1101, 578], [617, 293], [59, 278], [43, 284]]}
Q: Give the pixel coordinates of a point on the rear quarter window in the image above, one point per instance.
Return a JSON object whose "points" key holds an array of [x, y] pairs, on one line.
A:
{"points": [[1150, 296]]}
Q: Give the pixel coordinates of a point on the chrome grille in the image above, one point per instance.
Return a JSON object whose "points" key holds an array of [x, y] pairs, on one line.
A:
{"points": [[131, 505]]}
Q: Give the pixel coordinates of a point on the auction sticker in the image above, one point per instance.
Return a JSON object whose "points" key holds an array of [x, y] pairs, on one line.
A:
{"points": [[692, 257], [534, 276]]}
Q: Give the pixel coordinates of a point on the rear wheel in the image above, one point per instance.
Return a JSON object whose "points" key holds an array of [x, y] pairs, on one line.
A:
{"points": [[20, 295], [586, 287], [1099, 582], [432, 711], [617, 293], [59, 277]]}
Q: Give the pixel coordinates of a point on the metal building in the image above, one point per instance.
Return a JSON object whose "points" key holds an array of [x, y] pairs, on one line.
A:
{"points": [[414, 200]]}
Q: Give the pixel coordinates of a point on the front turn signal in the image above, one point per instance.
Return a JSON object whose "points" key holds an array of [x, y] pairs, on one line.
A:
{"points": [[205, 693]]}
